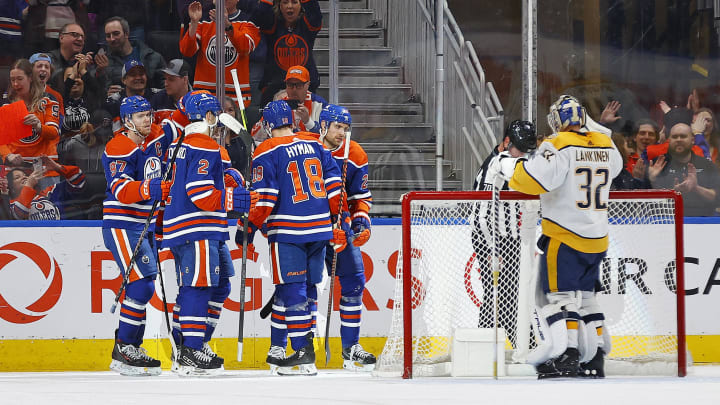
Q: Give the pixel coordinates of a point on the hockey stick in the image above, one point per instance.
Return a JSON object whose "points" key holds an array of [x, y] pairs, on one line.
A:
{"points": [[238, 94], [267, 309], [346, 153], [173, 344], [246, 221], [495, 273], [156, 203]]}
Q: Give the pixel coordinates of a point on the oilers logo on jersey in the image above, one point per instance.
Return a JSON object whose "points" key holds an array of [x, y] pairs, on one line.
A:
{"points": [[291, 50], [43, 209], [231, 54], [153, 168]]}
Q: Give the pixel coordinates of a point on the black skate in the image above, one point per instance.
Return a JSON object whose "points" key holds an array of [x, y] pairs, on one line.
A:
{"points": [[275, 357], [133, 361], [547, 370], [594, 368], [355, 358], [209, 351], [193, 362], [567, 365], [303, 359]]}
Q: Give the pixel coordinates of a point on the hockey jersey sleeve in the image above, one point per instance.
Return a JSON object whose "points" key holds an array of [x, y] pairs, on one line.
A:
{"points": [[266, 184], [122, 168], [359, 197], [333, 180], [313, 14], [264, 16], [50, 118], [189, 45], [74, 177], [20, 206], [544, 171], [245, 36]]}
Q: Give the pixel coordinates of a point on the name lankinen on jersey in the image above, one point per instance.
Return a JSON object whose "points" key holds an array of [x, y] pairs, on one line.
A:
{"points": [[592, 156]]}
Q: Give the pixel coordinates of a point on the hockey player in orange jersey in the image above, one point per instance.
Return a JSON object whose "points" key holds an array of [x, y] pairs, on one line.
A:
{"points": [[240, 40]]}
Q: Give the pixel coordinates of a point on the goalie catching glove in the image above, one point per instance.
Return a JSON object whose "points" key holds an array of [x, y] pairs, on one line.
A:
{"points": [[361, 228], [155, 189], [341, 233]]}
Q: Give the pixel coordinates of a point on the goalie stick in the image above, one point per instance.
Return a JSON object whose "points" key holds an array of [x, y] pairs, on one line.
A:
{"points": [[156, 203], [246, 220], [346, 153]]}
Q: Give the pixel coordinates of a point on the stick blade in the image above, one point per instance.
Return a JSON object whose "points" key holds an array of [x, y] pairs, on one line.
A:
{"points": [[239, 351]]}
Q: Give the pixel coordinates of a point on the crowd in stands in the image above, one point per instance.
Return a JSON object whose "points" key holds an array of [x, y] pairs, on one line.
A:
{"points": [[680, 154], [72, 62]]}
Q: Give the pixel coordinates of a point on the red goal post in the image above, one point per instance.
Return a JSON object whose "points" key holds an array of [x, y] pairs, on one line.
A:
{"points": [[662, 209]]}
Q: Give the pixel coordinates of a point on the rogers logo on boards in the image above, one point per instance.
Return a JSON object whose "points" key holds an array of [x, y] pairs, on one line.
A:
{"points": [[49, 268]]}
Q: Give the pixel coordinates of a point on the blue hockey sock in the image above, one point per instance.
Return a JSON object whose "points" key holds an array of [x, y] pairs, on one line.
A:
{"points": [[132, 311], [313, 307], [193, 315], [217, 298], [350, 312]]}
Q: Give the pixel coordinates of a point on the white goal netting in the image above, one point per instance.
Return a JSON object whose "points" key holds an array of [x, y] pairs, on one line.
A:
{"points": [[452, 238]]}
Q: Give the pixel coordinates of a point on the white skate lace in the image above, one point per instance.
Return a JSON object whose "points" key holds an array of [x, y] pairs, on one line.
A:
{"points": [[357, 351], [142, 353], [202, 356], [276, 352], [208, 350], [131, 352]]}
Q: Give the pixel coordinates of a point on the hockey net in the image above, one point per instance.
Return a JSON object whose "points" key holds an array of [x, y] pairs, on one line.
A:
{"points": [[448, 240]]}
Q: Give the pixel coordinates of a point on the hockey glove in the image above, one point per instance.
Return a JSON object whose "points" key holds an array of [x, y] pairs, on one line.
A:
{"points": [[342, 233], [233, 178], [361, 228], [250, 237], [155, 189], [240, 200]]}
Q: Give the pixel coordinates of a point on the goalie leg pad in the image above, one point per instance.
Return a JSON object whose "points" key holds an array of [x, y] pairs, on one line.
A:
{"points": [[550, 323], [595, 319]]}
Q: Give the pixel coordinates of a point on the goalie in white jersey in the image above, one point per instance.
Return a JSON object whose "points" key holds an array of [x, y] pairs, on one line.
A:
{"points": [[571, 172]]}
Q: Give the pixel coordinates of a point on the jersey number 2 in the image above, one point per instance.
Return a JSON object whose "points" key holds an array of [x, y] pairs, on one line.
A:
{"points": [[315, 181], [593, 193]]}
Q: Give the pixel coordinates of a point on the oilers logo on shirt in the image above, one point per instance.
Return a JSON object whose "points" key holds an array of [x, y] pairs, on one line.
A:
{"points": [[153, 168], [231, 54], [43, 209]]}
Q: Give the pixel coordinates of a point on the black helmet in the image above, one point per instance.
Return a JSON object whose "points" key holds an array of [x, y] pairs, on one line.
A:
{"points": [[522, 135]]}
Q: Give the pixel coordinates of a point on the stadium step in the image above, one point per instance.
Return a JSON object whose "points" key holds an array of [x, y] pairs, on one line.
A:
{"points": [[351, 18], [380, 56], [353, 38], [345, 4], [376, 150], [363, 74], [356, 93], [396, 167], [366, 132]]}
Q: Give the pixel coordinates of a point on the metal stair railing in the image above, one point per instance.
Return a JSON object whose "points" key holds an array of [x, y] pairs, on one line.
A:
{"points": [[473, 118]]}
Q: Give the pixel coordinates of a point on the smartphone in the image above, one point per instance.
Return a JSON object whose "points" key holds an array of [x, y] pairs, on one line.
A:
{"points": [[293, 104], [101, 51], [37, 165]]}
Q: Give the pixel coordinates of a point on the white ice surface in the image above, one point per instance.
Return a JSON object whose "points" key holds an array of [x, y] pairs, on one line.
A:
{"points": [[342, 387]]}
